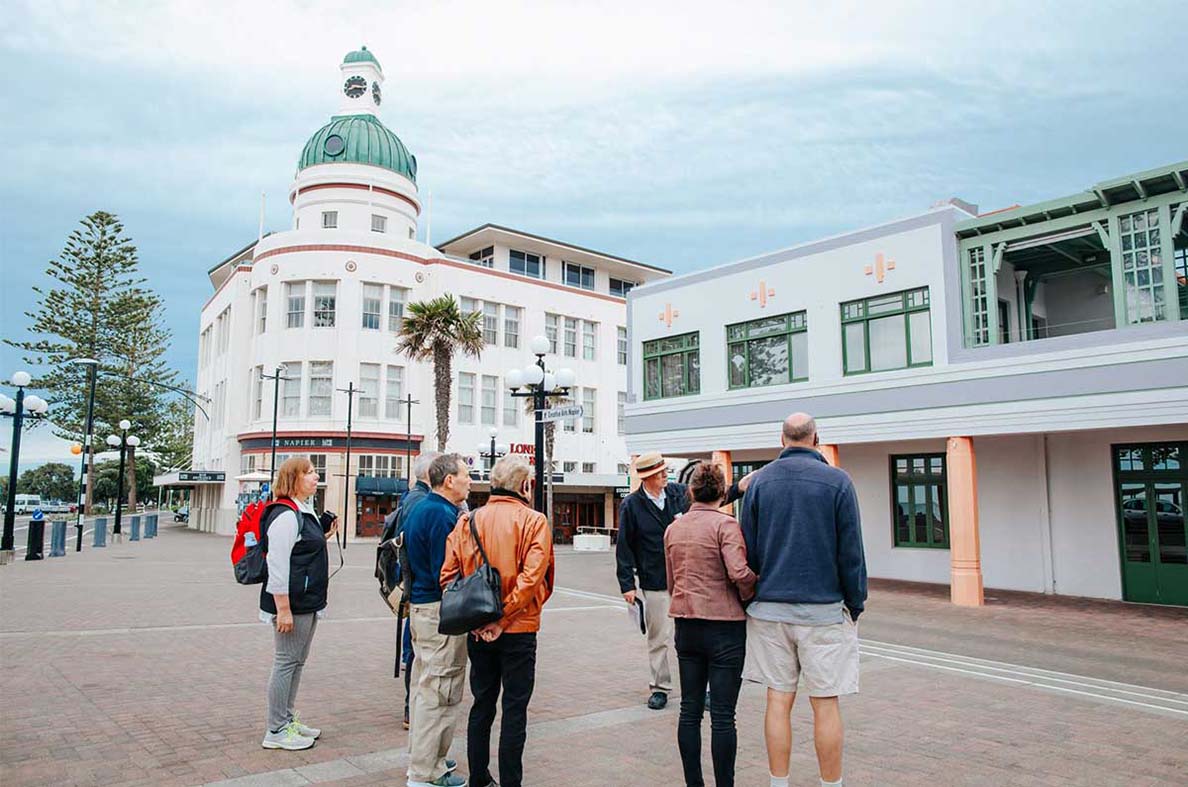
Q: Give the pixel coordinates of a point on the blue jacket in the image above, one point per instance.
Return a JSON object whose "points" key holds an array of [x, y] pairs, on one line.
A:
{"points": [[804, 538], [426, 529]]}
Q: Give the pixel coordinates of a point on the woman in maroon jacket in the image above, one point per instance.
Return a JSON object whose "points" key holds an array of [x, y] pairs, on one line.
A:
{"points": [[708, 579]]}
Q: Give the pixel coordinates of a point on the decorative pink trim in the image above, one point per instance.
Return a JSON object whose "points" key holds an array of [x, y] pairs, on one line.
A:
{"points": [[226, 281]]}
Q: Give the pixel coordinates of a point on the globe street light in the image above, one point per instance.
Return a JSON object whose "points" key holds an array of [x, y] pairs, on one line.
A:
{"points": [[541, 384], [16, 410], [122, 442], [495, 452]]}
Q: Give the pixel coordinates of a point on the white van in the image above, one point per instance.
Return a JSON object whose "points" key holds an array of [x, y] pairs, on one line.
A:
{"points": [[26, 503]]}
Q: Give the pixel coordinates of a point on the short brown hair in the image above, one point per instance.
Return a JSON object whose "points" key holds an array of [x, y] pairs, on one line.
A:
{"points": [[290, 470], [708, 484]]}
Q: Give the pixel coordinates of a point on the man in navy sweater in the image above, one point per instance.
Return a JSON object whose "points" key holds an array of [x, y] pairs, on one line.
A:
{"points": [[440, 662], [804, 540]]}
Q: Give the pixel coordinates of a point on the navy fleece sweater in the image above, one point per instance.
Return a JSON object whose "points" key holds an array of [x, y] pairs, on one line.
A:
{"points": [[804, 538]]}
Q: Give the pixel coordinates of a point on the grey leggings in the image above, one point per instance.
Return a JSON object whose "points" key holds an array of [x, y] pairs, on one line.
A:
{"points": [[292, 649]]}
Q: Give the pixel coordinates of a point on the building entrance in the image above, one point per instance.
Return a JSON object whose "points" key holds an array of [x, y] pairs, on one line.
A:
{"points": [[1152, 488]]}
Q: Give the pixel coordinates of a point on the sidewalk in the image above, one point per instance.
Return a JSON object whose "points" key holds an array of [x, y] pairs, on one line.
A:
{"points": [[143, 664]]}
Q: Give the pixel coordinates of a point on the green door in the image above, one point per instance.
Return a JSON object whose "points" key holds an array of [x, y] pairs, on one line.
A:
{"points": [[1152, 486]]}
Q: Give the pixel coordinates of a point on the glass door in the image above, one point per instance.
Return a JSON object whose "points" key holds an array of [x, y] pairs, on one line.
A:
{"points": [[1152, 486]]}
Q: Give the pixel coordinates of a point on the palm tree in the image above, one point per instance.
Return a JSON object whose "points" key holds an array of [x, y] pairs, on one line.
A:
{"points": [[436, 330]]}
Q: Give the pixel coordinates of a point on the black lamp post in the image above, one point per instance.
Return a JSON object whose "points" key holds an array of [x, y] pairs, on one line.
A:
{"points": [[122, 442], [541, 384], [494, 453], [15, 409], [88, 450]]}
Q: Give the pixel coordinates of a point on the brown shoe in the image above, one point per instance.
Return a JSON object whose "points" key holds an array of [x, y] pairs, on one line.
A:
{"points": [[405, 720]]}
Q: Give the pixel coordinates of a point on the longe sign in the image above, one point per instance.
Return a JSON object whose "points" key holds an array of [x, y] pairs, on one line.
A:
{"points": [[562, 413]]}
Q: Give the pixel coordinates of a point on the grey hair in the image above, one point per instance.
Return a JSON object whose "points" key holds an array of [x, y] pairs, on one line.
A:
{"points": [[799, 428], [421, 464], [444, 466], [510, 472]]}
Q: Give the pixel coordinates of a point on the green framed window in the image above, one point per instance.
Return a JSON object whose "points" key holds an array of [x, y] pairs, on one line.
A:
{"points": [[672, 366], [1142, 266], [979, 302], [768, 351], [887, 332], [740, 469], [919, 501], [1180, 256]]}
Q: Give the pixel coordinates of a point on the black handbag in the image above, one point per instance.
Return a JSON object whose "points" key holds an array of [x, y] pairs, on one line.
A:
{"points": [[471, 602]]}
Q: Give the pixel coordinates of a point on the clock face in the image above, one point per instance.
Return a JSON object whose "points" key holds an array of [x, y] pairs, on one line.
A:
{"points": [[355, 86], [375, 93]]}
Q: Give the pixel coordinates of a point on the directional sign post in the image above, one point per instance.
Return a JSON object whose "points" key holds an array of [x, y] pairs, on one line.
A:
{"points": [[562, 413]]}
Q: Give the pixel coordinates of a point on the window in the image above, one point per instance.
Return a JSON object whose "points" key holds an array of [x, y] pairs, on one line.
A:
{"points": [[979, 298], [511, 326], [620, 287], [623, 469], [329, 219], [261, 309], [588, 407], [571, 337], [1004, 322], [768, 351], [379, 223], [919, 507], [373, 303], [551, 322], [396, 297], [1039, 327], [672, 366], [324, 300], [622, 412], [204, 347], [383, 466], [490, 400], [1142, 266], [369, 390], [321, 387], [887, 332], [223, 330], [526, 264], [291, 390], [589, 336], [490, 322], [469, 305], [1180, 258], [319, 463], [257, 392], [295, 304], [588, 467], [220, 403], [621, 336], [511, 409], [465, 398], [394, 407], [569, 467], [579, 276], [366, 465], [484, 257]]}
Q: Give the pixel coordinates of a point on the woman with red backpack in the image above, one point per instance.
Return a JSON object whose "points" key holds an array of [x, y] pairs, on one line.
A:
{"points": [[295, 592]]}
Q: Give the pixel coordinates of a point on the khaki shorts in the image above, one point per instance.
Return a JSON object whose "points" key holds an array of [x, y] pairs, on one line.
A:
{"points": [[824, 658]]}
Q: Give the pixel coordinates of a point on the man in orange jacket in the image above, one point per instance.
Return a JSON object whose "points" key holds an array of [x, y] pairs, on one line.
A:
{"points": [[519, 544]]}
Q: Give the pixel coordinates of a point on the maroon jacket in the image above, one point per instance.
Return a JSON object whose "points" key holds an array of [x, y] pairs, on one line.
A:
{"points": [[706, 561]]}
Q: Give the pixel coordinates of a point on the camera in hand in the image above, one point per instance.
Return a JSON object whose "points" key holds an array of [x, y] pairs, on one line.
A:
{"points": [[327, 520]]}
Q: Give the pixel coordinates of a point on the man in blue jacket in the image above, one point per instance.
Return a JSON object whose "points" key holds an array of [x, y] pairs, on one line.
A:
{"points": [[804, 540]]}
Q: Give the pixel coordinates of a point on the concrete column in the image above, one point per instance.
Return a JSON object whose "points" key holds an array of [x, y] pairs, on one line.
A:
{"points": [[965, 550], [608, 508], [830, 454], [722, 460], [632, 478]]}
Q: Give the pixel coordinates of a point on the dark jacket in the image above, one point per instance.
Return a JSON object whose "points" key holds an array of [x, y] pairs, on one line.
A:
{"points": [[640, 546], [426, 529], [804, 537], [410, 498], [309, 564]]}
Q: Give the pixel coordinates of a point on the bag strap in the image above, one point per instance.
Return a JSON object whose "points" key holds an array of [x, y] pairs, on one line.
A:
{"points": [[474, 532]]}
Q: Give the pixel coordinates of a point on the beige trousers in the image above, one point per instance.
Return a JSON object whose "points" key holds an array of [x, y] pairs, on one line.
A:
{"points": [[659, 638], [439, 670]]}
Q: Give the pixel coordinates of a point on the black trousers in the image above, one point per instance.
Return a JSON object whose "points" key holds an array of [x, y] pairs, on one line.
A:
{"points": [[508, 662], [709, 652]]}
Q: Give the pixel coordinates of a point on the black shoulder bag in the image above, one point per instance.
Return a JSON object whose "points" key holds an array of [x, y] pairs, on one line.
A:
{"points": [[471, 602]]}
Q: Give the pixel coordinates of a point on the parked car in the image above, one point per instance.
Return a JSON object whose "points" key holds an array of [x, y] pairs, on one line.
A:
{"points": [[26, 503], [182, 514]]}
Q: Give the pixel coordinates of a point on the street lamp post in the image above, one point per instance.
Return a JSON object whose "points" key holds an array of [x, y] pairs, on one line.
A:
{"points": [[88, 452], [541, 384], [15, 409], [122, 442], [494, 453]]}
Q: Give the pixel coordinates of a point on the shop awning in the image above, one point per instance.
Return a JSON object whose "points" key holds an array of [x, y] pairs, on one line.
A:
{"points": [[376, 485]]}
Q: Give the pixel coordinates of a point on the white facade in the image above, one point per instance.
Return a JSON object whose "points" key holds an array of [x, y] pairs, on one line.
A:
{"points": [[324, 300]]}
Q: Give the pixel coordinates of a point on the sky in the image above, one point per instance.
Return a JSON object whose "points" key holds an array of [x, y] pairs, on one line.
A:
{"points": [[683, 135]]}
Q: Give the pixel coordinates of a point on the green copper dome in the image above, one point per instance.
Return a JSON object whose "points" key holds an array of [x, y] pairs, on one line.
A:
{"points": [[361, 55], [358, 139]]}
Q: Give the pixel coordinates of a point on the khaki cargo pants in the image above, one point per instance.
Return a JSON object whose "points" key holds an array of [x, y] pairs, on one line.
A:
{"points": [[440, 671]]}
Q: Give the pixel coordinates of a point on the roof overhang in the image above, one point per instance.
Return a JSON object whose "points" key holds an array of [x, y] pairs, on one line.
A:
{"points": [[219, 273]]}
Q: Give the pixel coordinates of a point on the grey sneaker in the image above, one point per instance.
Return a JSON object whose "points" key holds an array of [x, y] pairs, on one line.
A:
{"points": [[447, 780], [287, 738], [304, 731]]}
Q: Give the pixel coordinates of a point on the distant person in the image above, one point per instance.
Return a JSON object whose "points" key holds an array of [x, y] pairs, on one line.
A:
{"points": [[708, 579], [519, 544], [293, 595], [440, 662], [804, 540], [644, 515]]}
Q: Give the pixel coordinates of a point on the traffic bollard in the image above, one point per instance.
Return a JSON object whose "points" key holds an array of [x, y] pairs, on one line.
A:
{"points": [[36, 544], [100, 532], [150, 526], [58, 539], [135, 535]]}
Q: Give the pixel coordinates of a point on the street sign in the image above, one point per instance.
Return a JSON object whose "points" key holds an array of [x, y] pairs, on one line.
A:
{"points": [[562, 413]]}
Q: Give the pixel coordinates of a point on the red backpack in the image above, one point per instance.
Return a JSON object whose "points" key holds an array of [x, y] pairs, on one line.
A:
{"points": [[248, 557]]}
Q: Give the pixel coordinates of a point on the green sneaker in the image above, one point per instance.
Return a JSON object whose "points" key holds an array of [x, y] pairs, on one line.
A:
{"points": [[287, 738]]}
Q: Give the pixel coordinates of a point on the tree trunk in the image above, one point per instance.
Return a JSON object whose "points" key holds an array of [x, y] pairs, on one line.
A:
{"points": [[442, 377], [90, 502], [131, 474]]}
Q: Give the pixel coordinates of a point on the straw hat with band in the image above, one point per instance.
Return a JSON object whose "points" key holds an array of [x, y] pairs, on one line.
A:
{"points": [[649, 464]]}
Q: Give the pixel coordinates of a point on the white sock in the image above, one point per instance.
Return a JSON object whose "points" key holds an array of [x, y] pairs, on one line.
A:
{"points": [[838, 783], [779, 781]]}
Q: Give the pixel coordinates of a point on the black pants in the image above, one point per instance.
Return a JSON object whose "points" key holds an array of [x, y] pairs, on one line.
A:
{"points": [[510, 662], [709, 651]]}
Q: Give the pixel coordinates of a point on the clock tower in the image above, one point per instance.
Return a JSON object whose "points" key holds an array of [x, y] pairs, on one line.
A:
{"points": [[359, 85]]}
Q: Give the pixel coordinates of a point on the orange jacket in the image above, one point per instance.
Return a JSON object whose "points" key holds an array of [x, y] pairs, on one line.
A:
{"points": [[519, 545]]}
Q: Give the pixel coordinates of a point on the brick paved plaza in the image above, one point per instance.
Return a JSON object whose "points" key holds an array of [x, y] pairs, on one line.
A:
{"points": [[144, 664]]}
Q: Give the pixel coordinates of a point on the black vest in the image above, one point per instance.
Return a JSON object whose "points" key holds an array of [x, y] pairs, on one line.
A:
{"points": [[309, 564]]}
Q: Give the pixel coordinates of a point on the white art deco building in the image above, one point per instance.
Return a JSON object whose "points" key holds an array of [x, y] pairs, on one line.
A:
{"points": [[325, 299]]}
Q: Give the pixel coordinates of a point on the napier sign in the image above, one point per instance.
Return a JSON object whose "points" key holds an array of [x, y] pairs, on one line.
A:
{"points": [[562, 413]]}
